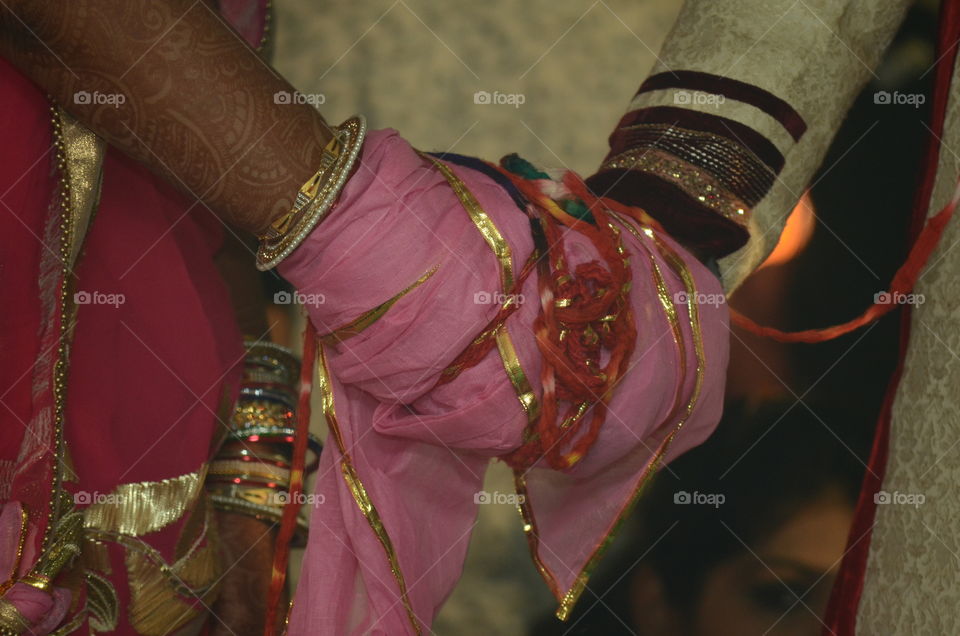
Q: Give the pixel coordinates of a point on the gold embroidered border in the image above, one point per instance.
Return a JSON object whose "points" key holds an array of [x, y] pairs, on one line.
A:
{"points": [[157, 588], [356, 487], [11, 620], [79, 165], [367, 318], [138, 508], [698, 183], [740, 171], [103, 604]]}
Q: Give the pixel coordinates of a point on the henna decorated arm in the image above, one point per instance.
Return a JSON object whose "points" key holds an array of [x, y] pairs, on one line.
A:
{"points": [[181, 92], [246, 550]]}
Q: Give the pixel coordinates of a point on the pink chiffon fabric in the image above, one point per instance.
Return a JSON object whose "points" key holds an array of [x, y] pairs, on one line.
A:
{"points": [[421, 450]]}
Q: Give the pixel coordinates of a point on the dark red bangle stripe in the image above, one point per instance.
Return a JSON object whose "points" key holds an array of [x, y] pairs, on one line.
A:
{"points": [[769, 103]]}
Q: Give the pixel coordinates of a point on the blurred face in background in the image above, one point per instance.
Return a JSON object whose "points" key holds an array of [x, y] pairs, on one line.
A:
{"points": [[779, 587]]}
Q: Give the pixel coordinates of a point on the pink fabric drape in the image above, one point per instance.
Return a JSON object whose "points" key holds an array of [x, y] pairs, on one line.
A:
{"points": [[419, 450]]}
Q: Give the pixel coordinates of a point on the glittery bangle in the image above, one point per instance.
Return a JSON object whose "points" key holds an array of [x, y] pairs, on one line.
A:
{"points": [[281, 396], [250, 456], [294, 227], [271, 358]]}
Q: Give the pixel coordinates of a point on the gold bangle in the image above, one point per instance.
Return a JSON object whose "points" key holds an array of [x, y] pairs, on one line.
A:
{"points": [[318, 195], [242, 469]]}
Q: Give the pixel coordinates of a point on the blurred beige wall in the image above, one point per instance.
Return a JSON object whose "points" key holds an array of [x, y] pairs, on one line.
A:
{"points": [[416, 65]]}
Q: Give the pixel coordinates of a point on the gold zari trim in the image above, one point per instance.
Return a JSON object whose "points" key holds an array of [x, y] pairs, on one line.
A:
{"points": [[11, 620], [567, 600], [83, 153], [511, 364], [138, 508], [696, 182], [367, 318], [63, 546], [164, 597], [482, 220], [103, 604], [501, 250], [357, 489]]}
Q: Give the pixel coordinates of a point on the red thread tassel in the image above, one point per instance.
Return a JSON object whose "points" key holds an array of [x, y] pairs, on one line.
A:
{"points": [[288, 522], [902, 283]]}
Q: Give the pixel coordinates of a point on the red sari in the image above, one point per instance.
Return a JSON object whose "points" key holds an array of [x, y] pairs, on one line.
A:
{"points": [[106, 426]]}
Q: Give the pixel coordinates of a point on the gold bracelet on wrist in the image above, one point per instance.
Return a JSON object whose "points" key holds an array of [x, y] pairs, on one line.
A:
{"points": [[316, 196]]}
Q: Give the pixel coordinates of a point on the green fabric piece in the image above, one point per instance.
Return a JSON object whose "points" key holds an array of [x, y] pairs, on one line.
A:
{"points": [[523, 168]]}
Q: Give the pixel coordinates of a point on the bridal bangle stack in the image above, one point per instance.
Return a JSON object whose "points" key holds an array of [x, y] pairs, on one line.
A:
{"points": [[315, 197]]}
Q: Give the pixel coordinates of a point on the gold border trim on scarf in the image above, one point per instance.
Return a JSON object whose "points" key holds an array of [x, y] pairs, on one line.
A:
{"points": [[501, 250], [486, 226], [366, 319], [359, 492], [568, 600]]}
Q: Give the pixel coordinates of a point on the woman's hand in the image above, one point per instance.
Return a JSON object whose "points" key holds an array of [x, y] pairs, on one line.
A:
{"points": [[172, 85]]}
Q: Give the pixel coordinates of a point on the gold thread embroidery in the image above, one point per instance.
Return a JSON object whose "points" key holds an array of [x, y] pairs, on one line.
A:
{"points": [[65, 538], [138, 508], [740, 171], [360, 495], [367, 318], [83, 153], [103, 604], [696, 182], [155, 608], [96, 556], [165, 597], [11, 620]]}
